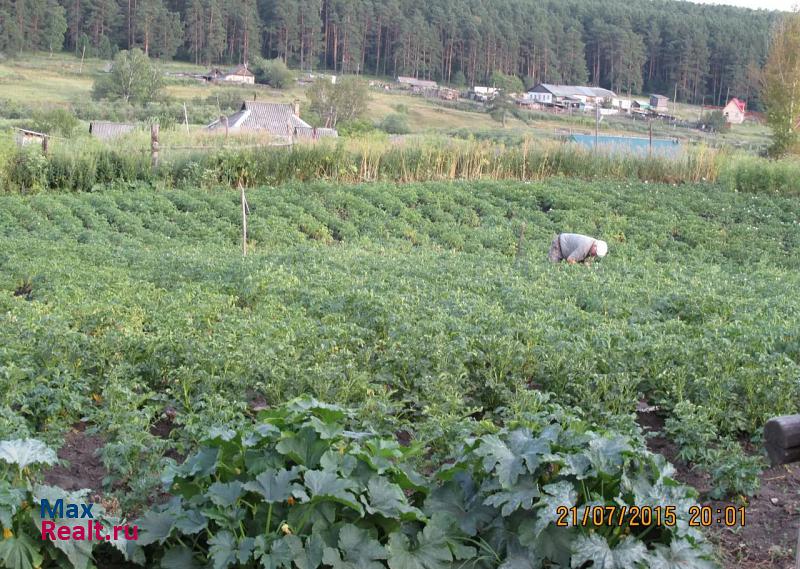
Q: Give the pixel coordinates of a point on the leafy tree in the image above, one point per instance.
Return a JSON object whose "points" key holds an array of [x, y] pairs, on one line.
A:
{"points": [[272, 72], [507, 83], [344, 100], [55, 26], [781, 85], [133, 79]]}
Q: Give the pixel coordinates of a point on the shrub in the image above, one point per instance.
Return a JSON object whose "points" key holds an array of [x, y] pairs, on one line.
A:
{"points": [[714, 121], [55, 121], [395, 124], [355, 127]]}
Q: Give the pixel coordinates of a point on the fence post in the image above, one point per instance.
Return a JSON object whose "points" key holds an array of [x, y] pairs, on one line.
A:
{"points": [[44, 145], [244, 220], [650, 151], [154, 145]]}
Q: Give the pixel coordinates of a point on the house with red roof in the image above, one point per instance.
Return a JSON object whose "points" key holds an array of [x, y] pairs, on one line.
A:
{"points": [[734, 111]]}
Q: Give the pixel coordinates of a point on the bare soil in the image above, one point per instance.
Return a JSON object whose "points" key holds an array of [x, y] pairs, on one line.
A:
{"points": [[82, 467], [772, 517]]}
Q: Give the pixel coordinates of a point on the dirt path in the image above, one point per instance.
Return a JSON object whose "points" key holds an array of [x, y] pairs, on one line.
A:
{"points": [[769, 535]]}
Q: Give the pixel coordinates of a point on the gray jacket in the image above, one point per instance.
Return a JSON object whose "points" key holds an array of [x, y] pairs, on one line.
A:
{"points": [[570, 246]]}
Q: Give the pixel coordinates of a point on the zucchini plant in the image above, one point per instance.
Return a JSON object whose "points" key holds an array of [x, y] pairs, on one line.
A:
{"points": [[301, 489]]}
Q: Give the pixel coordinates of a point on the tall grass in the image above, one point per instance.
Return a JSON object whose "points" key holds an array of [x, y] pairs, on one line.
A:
{"points": [[378, 159]]}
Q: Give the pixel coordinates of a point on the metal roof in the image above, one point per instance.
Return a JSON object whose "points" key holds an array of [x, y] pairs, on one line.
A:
{"points": [[275, 118], [107, 130], [575, 91], [240, 70]]}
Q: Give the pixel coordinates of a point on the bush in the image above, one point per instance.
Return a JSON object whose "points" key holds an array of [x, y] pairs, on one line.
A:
{"points": [[395, 124], [55, 121], [714, 121], [272, 72], [355, 127]]}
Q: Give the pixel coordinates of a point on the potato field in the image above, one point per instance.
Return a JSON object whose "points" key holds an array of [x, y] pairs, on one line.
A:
{"points": [[395, 375]]}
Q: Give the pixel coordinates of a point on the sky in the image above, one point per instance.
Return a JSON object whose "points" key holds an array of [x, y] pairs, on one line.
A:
{"points": [[755, 4]]}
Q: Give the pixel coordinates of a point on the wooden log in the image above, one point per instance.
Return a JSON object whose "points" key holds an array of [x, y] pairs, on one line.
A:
{"points": [[782, 439], [782, 455]]}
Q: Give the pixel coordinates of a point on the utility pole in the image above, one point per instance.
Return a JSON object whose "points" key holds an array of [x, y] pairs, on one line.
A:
{"points": [[675, 98]]}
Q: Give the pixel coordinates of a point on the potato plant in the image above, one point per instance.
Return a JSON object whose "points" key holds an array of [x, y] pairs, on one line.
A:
{"points": [[420, 305]]}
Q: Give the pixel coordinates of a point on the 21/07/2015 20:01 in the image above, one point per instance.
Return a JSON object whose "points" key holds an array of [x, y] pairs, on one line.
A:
{"points": [[699, 516]]}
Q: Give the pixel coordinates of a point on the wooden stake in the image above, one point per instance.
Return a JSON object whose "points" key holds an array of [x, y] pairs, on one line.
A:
{"points": [[186, 118], [44, 146], [520, 243], [154, 145], [244, 220], [82, 54]]}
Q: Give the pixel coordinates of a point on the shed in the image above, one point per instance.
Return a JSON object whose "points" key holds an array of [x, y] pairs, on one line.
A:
{"points": [[25, 137], [659, 102], [104, 130], [415, 83]]}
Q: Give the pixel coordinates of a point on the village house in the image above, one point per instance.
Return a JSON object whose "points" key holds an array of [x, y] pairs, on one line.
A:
{"points": [[574, 96], [278, 119], [240, 74], [104, 130], [734, 111], [659, 103]]}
